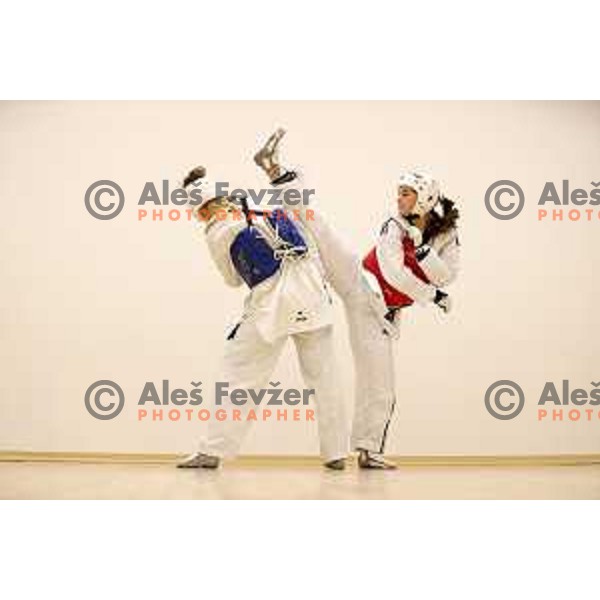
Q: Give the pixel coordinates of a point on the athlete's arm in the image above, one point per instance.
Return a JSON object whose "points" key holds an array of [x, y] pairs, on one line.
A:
{"points": [[440, 261], [390, 256]]}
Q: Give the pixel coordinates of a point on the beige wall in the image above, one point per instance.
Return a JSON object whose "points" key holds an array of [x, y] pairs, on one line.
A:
{"points": [[84, 300]]}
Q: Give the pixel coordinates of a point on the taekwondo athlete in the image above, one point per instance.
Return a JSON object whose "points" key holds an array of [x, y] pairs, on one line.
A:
{"points": [[416, 255], [288, 299]]}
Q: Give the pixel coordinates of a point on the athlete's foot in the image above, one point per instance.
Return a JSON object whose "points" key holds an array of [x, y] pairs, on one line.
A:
{"points": [[339, 464], [266, 158], [371, 460], [199, 460]]}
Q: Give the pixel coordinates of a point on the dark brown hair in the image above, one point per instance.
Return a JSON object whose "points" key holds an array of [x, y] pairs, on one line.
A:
{"points": [[441, 223]]}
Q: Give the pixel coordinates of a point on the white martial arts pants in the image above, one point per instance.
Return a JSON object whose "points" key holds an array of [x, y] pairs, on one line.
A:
{"points": [[371, 337], [248, 364]]}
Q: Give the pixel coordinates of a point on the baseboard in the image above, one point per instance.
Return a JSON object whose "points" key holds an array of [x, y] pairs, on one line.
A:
{"points": [[274, 461]]}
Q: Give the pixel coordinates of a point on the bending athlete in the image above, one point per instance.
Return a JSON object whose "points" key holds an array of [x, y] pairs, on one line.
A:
{"points": [[288, 299]]}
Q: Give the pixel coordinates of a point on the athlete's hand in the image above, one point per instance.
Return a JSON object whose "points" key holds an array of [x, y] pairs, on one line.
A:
{"points": [[412, 231], [443, 301]]}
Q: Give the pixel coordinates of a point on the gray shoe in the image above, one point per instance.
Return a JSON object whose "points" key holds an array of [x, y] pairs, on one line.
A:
{"points": [[371, 460], [199, 460], [339, 464], [267, 157]]}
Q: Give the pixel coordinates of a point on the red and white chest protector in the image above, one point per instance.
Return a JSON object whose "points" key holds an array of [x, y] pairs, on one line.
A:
{"points": [[392, 296]]}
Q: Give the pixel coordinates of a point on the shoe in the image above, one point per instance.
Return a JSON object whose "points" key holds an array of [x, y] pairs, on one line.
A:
{"points": [[266, 158], [339, 464], [371, 460], [199, 460]]}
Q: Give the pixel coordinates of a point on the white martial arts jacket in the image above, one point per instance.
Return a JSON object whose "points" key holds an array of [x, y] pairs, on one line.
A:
{"points": [[440, 265], [295, 299]]}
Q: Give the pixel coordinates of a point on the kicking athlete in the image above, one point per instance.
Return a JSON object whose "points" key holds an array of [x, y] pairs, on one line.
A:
{"points": [[289, 298], [416, 254]]}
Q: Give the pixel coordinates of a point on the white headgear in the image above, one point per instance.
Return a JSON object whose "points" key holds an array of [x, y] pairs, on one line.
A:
{"points": [[426, 187]]}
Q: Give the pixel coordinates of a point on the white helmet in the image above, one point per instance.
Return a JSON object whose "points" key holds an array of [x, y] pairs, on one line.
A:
{"points": [[426, 187]]}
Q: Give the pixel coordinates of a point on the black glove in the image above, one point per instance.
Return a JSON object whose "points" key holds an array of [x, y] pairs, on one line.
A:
{"points": [[422, 252], [442, 300]]}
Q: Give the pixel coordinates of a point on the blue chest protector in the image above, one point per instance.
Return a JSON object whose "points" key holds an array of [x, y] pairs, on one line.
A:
{"points": [[256, 258]]}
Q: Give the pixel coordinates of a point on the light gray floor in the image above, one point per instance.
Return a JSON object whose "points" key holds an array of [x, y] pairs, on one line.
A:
{"points": [[127, 481]]}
